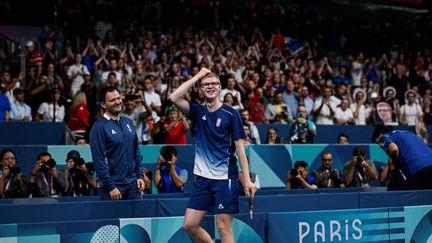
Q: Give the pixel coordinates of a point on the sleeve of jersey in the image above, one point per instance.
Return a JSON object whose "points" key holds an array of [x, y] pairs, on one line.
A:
{"points": [[97, 147], [384, 142], [193, 109], [237, 127]]}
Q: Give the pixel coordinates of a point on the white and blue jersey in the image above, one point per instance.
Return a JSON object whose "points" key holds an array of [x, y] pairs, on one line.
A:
{"points": [[115, 153], [215, 148], [414, 154]]}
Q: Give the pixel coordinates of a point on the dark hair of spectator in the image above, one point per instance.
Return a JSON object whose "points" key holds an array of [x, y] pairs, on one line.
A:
{"points": [[359, 151], [105, 90], [169, 149], [343, 135], [43, 154], [300, 163], [3, 153]]}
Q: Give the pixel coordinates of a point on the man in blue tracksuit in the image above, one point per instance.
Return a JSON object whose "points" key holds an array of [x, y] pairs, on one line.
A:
{"points": [[115, 153], [409, 155]]}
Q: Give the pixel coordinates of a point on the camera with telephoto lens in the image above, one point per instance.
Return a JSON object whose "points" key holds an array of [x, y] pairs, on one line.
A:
{"points": [[359, 160], [14, 171], [166, 155], [78, 162], [294, 172], [47, 165]]}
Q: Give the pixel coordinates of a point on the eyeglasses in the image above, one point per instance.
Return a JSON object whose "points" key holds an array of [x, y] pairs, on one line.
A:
{"points": [[384, 110], [207, 85]]}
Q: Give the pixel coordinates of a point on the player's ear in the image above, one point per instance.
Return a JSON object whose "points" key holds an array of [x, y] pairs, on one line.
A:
{"points": [[103, 105]]}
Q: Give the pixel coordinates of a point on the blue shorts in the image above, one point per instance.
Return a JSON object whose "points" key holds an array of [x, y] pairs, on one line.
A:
{"points": [[215, 196]]}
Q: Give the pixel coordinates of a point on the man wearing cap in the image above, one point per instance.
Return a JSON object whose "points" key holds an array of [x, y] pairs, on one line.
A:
{"points": [[34, 57], [78, 176], [20, 110]]}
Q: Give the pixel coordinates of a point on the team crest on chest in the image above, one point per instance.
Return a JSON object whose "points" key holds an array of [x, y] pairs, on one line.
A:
{"points": [[218, 122]]}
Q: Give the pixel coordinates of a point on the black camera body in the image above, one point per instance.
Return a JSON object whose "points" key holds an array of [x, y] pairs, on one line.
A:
{"points": [[294, 172], [359, 159], [14, 171], [78, 162], [49, 164], [166, 155]]}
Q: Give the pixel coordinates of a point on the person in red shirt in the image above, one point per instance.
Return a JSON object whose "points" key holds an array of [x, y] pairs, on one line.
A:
{"points": [[78, 114], [175, 128], [34, 57]]}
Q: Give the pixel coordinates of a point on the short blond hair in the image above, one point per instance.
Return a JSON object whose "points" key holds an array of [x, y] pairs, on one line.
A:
{"points": [[209, 75]]}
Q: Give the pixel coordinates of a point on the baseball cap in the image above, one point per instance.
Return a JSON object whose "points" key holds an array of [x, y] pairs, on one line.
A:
{"points": [[18, 91], [73, 154], [29, 43]]}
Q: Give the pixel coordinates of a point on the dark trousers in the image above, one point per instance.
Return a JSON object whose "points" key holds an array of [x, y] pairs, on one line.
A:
{"points": [[129, 191]]}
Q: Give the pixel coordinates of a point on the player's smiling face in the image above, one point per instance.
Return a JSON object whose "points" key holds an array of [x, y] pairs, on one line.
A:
{"points": [[211, 87]]}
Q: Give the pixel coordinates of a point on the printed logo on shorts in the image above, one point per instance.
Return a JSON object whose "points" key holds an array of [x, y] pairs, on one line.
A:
{"points": [[113, 132], [220, 206], [218, 122]]}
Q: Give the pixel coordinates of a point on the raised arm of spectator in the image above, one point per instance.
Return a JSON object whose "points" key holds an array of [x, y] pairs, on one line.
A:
{"points": [[212, 48]]}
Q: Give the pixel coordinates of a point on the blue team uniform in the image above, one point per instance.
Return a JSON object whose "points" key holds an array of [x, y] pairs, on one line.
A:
{"points": [[414, 154], [215, 163], [115, 153]]}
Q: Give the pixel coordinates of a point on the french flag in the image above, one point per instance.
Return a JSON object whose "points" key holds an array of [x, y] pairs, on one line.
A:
{"points": [[283, 43]]}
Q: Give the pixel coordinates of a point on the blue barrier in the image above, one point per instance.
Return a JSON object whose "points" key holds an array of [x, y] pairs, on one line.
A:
{"points": [[315, 217], [390, 199], [270, 162], [32, 133], [68, 211]]}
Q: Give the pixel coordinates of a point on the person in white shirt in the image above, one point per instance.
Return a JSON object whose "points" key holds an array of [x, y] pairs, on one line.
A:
{"points": [[113, 68], [230, 88], [20, 111], [324, 108], [343, 114], [49, 112], [76, 74], [152, 98], [411, 113], [358, 108]]}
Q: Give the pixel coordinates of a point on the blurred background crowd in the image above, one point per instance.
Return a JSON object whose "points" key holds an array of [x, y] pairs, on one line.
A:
{"points": [[298, 63]]}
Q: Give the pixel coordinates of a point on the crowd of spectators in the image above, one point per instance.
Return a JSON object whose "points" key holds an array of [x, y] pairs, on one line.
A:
{"points": [[340, 69]]}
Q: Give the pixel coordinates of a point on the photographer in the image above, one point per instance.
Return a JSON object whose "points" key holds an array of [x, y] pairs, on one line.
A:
{"points": [[45, 179], [327, 176], [168, 176], [359, 172], [251, 130], [78, 175], [12, 181], [302, 130], [298, 177]]}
